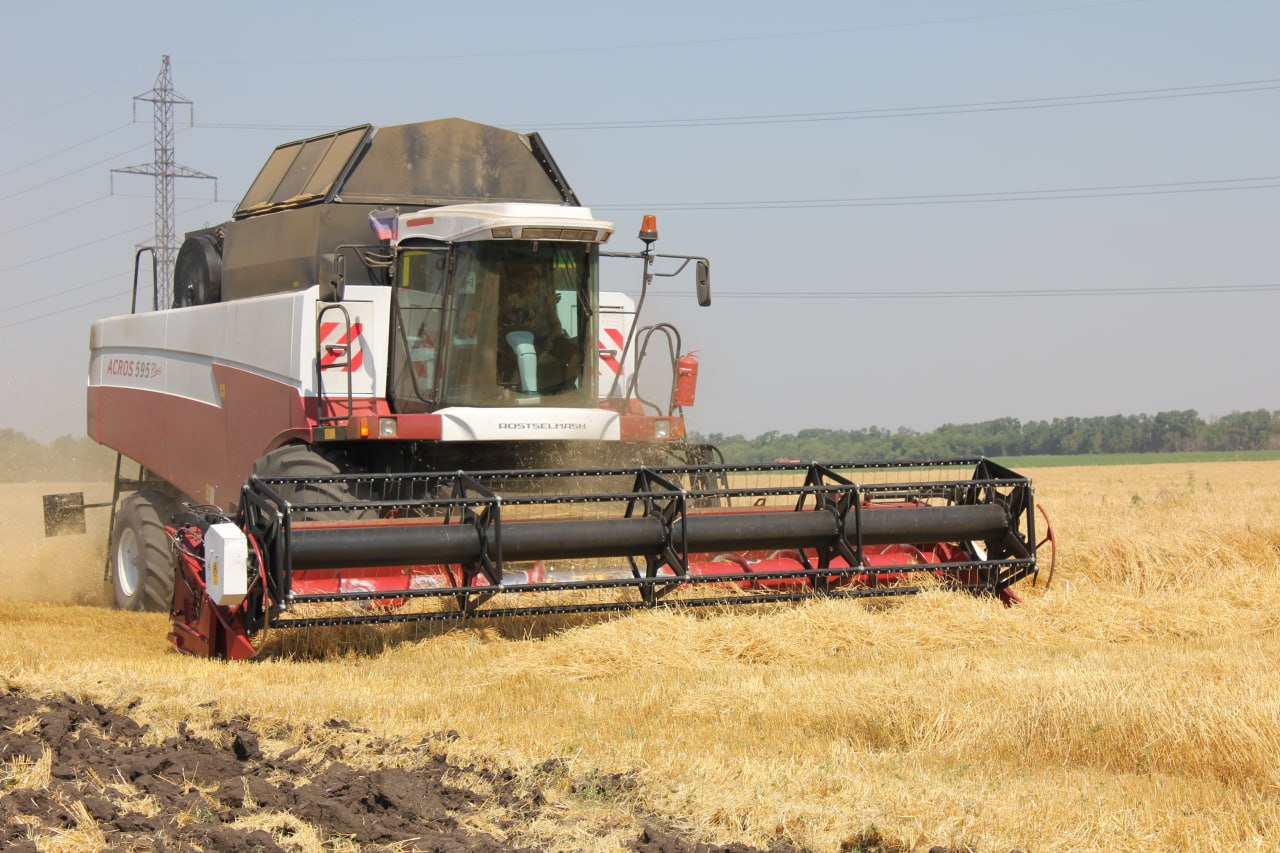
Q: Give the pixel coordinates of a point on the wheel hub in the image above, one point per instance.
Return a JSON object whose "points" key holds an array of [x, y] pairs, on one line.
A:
{"points": [[128, 563]]}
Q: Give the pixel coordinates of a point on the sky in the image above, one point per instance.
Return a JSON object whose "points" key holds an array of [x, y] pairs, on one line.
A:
{"points": [[916, 212]]}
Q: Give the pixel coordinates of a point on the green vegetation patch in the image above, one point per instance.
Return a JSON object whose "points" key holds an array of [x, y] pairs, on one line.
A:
{"points": [[1090, 459]]}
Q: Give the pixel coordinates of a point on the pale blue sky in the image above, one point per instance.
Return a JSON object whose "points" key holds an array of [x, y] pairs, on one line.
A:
{"points": [[1179, 97]]}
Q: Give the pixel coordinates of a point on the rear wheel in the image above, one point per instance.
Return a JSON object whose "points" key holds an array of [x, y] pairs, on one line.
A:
{"points": [[141, 568]]}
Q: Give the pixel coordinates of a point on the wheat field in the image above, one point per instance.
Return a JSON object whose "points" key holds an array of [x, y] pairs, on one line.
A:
{"points": [[1131, 705]]}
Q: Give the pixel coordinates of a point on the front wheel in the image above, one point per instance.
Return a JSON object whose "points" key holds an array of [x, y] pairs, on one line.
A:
{"points": [[323, 487], [141, 569]]}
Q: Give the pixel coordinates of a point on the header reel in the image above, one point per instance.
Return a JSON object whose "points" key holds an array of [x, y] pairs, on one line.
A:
{"points": [[500, 544]]}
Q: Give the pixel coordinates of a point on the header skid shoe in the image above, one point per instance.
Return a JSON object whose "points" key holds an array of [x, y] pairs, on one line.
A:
{"points": [[499, 544]]}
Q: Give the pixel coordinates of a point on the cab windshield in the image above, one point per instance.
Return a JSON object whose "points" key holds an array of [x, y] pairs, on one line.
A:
{"points": [[495, 324]]}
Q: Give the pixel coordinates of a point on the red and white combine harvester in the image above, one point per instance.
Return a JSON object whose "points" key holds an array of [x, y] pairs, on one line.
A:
{"points": [[392, 380]]}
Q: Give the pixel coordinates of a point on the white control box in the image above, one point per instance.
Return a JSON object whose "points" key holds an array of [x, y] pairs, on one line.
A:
{"points": [[226, 564]]}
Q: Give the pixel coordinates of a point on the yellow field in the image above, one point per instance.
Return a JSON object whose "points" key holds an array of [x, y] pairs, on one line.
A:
{"points": [[1133, 705]]}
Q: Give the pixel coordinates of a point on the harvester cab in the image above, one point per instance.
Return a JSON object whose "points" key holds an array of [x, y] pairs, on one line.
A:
{"points": [[392, 380], [485, 316], [499, 306], [496, 331]]}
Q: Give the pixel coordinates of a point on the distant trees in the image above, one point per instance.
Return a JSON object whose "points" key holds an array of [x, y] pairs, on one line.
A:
{"points": [[1243, 431], [67, 459], [23, 459], [1164, 432]]}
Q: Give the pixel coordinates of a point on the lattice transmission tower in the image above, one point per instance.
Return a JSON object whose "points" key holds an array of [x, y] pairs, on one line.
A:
{"points": [[163, 99]]}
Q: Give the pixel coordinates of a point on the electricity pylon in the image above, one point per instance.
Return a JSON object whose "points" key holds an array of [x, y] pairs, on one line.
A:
{"points": [[163, 98]]}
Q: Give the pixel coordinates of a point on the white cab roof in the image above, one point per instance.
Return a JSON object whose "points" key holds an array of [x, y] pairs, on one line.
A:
{"points": [[461, 222]]}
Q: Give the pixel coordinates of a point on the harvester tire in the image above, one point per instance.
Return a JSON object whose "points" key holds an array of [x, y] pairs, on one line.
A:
{"points": [[301, 460], [141, 568], [197, 272]]}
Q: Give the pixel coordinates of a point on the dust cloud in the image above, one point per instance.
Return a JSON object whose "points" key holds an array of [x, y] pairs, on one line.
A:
{"points": [[64, 569]]}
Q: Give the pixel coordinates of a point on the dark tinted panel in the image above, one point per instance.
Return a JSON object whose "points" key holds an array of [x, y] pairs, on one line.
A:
{"points": [[302, 170], [269, 178], [449, 160], [337, 157]]}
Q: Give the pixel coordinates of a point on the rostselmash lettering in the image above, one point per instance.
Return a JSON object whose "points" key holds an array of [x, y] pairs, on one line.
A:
{"points": [[522, 425], [133, 368]]}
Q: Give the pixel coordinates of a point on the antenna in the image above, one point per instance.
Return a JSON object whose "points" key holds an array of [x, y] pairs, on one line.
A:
{"points": [[162, 97]]}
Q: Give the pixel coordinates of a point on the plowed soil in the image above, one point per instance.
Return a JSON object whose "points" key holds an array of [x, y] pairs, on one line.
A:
{"points": [[112, 783]]}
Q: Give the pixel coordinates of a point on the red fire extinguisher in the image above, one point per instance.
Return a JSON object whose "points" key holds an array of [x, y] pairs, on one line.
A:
{"points": [[686, 379]]}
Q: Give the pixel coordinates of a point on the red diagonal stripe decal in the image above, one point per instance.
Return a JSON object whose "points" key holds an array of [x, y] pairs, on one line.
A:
{"points": [[610, 361], [330, 358]]}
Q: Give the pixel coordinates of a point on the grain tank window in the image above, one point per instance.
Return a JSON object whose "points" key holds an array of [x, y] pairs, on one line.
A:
{"points": [[302, 171]]}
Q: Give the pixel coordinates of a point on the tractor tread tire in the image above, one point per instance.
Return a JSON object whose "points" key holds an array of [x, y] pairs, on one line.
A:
{"points": [[301, 460], [197, 272], [138, 537]]}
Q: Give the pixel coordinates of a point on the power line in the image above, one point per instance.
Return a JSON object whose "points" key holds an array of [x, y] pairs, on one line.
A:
{"points": [[996, 294], [367, 59], [1009, 105], [64, 292], [60, 311], [1120, 96], [79, 246], [835, 295], [177, 198], [74, 208], [1097, 191], [72, 172], [299, 128], [79, 170], [1053, 194], [84, 95], [70, 249], [53, 154]]}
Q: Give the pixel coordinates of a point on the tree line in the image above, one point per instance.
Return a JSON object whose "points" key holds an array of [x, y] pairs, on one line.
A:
{"points": [[23, 459], [1163, 432], [65, 460]]}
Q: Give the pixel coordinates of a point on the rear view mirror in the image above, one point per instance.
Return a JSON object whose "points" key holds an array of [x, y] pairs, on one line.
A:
{"points": [[702, 275]]}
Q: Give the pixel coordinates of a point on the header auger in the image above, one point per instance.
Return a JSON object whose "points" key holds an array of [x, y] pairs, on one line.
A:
{"points": [[392, 383], [452, 546]]}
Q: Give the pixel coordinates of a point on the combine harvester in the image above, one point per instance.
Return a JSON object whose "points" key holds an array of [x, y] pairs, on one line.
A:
{"points": [[392, 381]]}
